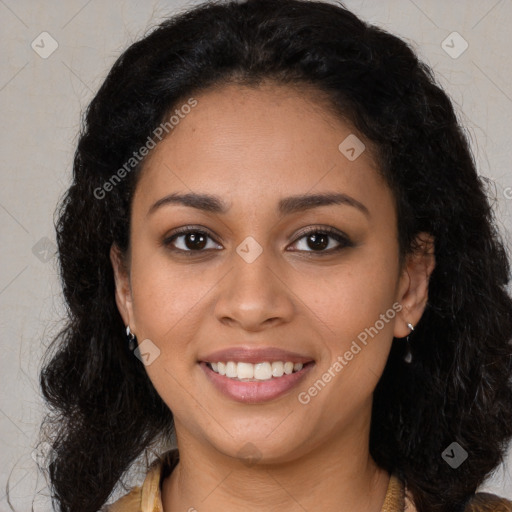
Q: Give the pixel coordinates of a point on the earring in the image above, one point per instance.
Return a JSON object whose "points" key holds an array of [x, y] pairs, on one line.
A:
{"points": [[132, 339], [408, 353]]}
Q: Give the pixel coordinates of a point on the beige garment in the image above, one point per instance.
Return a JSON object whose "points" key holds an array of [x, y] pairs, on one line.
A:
{"points": [[147, 498]]}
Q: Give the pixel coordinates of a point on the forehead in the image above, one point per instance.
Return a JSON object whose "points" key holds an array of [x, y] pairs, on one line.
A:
{"points": [[252, 142]]}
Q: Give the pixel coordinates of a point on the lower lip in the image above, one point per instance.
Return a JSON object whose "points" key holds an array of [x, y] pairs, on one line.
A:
{"points": [[252, 392]]}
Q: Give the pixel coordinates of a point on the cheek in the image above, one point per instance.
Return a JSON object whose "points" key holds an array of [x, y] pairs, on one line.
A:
{"points": [[166, 301], [350, 297], [347, 307], [165, 294]]}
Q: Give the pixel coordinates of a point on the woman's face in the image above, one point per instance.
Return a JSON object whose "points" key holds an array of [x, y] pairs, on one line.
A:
{"points": [[261, 173]]}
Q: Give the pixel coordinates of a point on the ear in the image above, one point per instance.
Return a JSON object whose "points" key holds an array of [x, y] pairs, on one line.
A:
{"points": [[123, 289], [413, 284]]}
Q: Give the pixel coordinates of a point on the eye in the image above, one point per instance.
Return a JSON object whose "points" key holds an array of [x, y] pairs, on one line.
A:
{"points": [[190, 239], [322, 240], [314, 240]]}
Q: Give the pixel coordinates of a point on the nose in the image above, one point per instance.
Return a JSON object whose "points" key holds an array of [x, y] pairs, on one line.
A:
{"points": [[254, 296]]}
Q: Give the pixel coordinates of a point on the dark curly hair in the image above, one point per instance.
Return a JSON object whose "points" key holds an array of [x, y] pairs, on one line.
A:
{"points": [[104, 410]]}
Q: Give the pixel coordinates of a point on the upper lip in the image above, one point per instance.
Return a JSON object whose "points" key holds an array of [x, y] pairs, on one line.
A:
{"points": [[254, 355]]}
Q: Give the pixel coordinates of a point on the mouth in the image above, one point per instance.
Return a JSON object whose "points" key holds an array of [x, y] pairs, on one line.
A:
{"points": [[253, 383]]}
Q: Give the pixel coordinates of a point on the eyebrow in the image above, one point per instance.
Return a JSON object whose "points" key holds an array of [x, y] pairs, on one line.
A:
{"points": [[286, 206]]}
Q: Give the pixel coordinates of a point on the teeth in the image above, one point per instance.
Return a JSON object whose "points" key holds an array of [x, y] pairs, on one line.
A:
{"points": [[231, 369], [262, 371], [277, 369], [245, 371], [258, 371]]}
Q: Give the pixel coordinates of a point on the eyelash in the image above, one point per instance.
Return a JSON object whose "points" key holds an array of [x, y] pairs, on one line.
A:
{"points": [[340, 237]]}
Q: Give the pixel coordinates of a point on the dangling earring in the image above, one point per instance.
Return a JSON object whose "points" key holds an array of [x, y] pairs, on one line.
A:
{"points": [[132, 340], [408, 353]]}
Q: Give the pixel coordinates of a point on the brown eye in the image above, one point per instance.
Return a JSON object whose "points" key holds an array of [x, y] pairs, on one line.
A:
{"points": [[195, 241], [191, 240], [324, 240], [317, 241]]}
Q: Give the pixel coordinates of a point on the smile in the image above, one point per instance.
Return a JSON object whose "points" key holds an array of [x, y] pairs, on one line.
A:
{"points": [[255, 383], [254, 372]]}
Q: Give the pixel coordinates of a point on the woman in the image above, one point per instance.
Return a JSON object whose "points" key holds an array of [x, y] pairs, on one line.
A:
{"points": [[278, 258]]}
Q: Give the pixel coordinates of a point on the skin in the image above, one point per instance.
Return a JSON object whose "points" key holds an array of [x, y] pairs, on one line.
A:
{"points": [[252, 147]]}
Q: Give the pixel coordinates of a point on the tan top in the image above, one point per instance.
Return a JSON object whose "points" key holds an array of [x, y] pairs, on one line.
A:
{"points": [[147, 498]]}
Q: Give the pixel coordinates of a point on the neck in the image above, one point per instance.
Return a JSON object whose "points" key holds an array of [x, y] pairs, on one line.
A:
{"points": [[338, 476]]}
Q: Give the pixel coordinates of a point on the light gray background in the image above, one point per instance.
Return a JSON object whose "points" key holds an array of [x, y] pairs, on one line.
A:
{"points": [[41, 100]]}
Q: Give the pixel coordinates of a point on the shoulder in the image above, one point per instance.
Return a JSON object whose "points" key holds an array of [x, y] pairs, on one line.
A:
{"points": [[128, 503], [487, 502], [147, 497], [479, 502]]}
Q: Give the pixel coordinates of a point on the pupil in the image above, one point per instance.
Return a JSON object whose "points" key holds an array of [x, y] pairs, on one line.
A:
{"points": [[318, 241], [195, 241]]}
